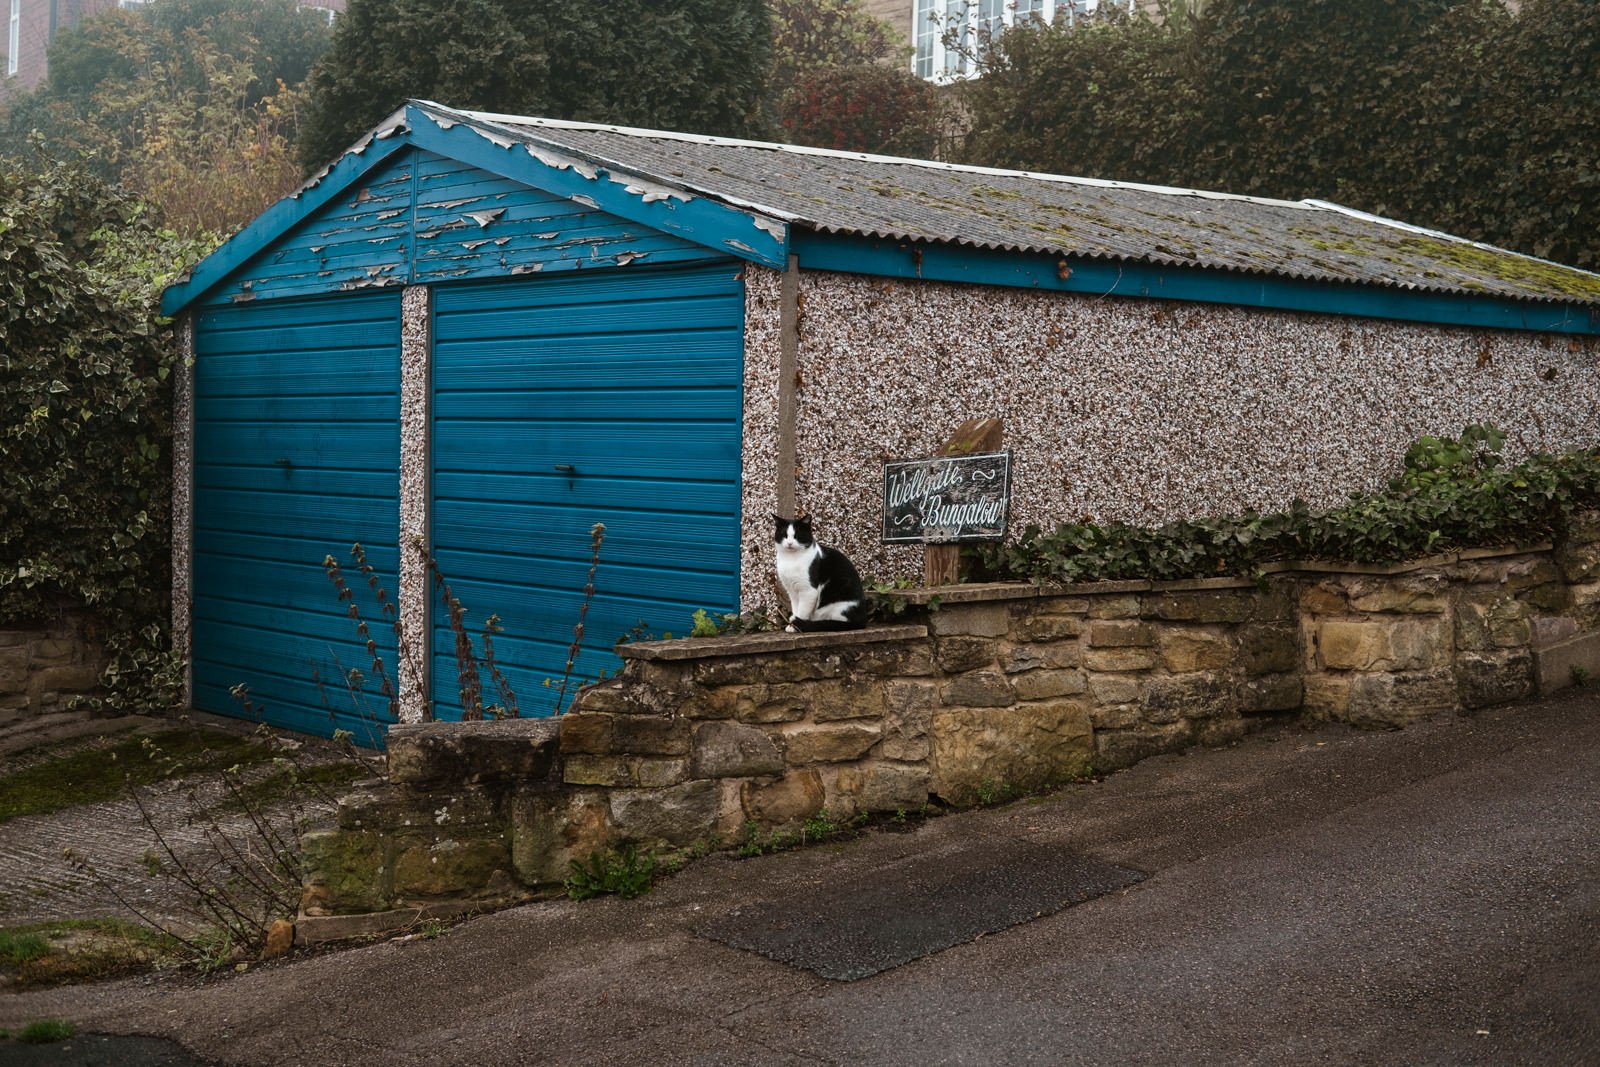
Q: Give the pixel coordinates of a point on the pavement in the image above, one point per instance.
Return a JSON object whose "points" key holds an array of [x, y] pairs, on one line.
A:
{"points": [[1306, 896]]}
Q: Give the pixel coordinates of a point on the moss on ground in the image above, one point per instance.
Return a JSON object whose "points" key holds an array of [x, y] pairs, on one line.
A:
{"points": [[92, 775]]}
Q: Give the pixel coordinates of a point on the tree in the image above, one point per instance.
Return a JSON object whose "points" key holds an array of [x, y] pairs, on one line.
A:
{"points": [[696, 65], [1454, 114], [808, 35], [836, 84], [86, 413], [862, 108], [180, 101]]}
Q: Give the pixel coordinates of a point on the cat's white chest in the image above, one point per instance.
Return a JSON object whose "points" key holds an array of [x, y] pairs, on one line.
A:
{"points": [[794, 568]]}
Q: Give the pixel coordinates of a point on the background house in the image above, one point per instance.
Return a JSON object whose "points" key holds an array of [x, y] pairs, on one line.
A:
{"points": [[480, 335]]}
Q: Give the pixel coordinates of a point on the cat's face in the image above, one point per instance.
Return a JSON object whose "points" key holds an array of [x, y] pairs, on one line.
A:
{"points": [[792, 533]]}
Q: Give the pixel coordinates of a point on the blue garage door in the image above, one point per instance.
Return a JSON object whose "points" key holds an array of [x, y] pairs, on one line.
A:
{"points": [[560, 402], [297, 447]]}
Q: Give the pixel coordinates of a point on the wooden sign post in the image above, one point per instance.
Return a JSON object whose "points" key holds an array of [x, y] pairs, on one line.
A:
{"points": [[941, 564]]}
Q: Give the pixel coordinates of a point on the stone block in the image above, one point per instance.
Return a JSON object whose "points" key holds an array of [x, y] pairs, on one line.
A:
{"points": [[1187, 650], [1389, 701], [979, 689], [449, 867], [1124, 606], [657, 773], [56, 651], [507, 750], [1579, 562], [801, 665], [551, 828], [1115, 716], [1044, 684], [1326, 697], [1568, 661], [958, 654], [1324, 598], [1271, 692], [1486, 678], [1422, 594], [1268, 648], [1120, 633], [1383, 644], [784, 801], [1046, 627], [906, 659], [1115, 749], [1024, 747], [586, 733], [805, 743], [880, 786], [976, 620], [905, 725], [383, 807], [733, 750], [622, 771], [1492, 621], [1218, 607], [786, 702], [1119, 659], [74, 678], [718, 703], [1114, 688], [678, 815], [1057, 655], [1186, 696], [1549, 629], [847, 698], [648, 735], [1015, 659], [345, 872], [632, 695]]}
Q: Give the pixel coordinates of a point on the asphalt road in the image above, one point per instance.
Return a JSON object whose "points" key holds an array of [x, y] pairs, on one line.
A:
{"points": [[1310, 896]]}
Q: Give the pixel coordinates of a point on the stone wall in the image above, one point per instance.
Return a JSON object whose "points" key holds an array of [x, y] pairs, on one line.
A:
{"points": [[997, 689], [43, 667]]}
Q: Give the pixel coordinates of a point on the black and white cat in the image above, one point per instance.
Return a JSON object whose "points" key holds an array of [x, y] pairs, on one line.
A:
{"points": [[824, 589]]}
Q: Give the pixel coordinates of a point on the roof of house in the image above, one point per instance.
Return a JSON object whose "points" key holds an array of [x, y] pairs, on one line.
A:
{"points": [[762, 199]]}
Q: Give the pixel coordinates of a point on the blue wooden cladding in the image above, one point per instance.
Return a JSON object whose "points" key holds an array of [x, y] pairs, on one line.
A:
{"points": [[421, 218], [564, 401], [297, 446]]}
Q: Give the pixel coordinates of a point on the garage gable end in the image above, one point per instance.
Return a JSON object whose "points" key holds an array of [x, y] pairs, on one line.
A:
{"points": [[421, 217]]}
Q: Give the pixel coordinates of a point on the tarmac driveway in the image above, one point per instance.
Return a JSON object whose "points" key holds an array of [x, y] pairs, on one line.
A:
{"points": [[1308, 896]]}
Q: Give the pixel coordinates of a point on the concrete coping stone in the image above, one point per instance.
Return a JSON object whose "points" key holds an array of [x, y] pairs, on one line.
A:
{"points": [[699, 648], [992, 591]]}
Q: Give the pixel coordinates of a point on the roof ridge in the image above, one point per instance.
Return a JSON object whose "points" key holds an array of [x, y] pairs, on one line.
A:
{"points": [[537, 122]]}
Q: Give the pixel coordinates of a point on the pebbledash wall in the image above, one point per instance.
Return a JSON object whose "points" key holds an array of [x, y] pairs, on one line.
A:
{"points": [[1120, 409], [1000, 688]]}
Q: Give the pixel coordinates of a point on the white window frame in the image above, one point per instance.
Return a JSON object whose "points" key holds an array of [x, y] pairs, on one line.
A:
{"points": [[931, 20], [13, 38]]}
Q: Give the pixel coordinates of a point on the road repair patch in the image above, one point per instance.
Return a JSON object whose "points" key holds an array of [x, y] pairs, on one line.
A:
{"points": [[886, 917]]}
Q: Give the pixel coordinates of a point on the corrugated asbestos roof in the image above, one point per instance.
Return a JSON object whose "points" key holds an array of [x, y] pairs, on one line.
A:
{"points": [[917, 200]]}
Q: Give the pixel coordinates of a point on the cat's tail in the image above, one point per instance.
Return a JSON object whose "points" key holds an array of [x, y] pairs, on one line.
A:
{"points": [[821, 625]]}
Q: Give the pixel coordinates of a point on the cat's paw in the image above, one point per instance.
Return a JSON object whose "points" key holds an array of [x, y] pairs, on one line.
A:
{"points": [[791, 629]]}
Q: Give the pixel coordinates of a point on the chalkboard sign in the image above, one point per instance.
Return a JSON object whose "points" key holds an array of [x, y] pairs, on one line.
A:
{"points": [[947, 499]]}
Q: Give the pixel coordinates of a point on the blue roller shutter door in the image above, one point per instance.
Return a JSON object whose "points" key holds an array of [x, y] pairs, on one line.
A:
{"points": [[560, 402]]}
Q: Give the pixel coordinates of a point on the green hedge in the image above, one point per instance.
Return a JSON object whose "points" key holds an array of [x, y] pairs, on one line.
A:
{"points": [[85, 412], [1450, 493]]}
